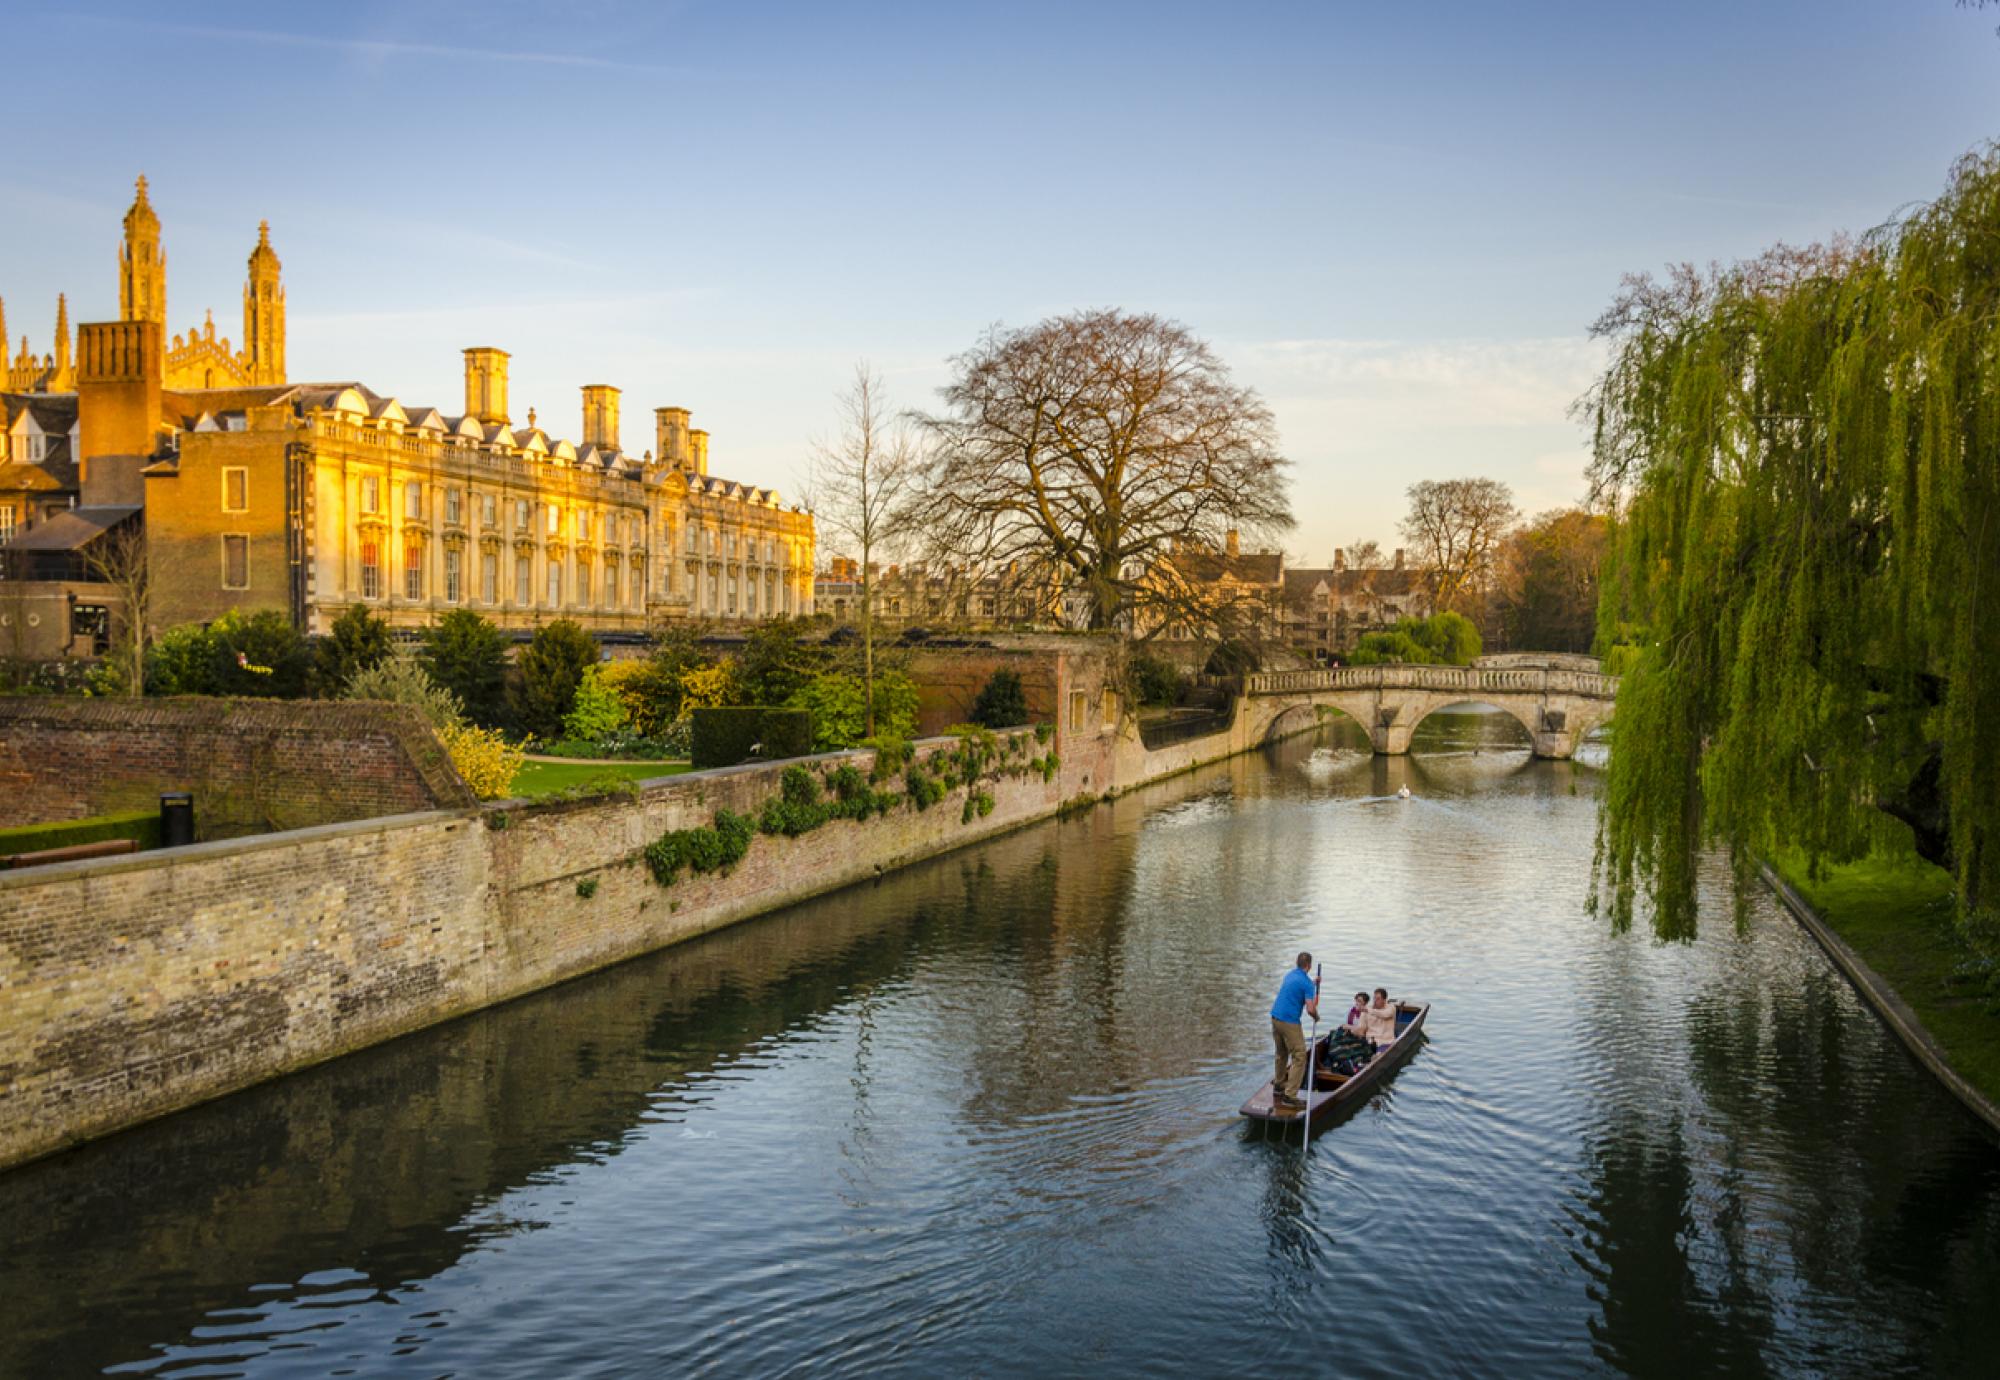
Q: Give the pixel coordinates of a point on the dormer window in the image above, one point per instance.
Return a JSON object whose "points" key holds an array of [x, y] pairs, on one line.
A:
{"points": [[35, 449]]}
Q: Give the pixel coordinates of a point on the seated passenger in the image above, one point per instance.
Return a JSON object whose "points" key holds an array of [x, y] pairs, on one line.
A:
{"points": [[1379, 1021], [1352, 1025]]}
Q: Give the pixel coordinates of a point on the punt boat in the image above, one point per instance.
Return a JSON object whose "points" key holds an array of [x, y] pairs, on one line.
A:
{"points": [[1333, 1089]]}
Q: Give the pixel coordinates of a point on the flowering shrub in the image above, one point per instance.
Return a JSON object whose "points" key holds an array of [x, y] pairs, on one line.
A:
{"points": [[483, 758]]}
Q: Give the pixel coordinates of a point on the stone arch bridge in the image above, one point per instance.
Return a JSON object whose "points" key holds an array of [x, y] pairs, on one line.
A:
{"points": [[1557, 702]]}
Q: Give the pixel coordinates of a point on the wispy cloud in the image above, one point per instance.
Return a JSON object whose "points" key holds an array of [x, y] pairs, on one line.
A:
{"points": [[1390, 385], [385, 49]]}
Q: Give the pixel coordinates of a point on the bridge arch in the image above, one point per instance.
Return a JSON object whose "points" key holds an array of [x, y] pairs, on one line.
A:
{"points": [[1528, 717], [1304, 715]]}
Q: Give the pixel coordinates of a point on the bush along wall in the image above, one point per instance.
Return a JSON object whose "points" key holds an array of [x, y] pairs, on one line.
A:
{"points": [[810, 796], [724, 736]]}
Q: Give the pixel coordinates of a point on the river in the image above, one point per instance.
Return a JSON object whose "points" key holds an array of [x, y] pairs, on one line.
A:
{"points": [[980, 1118]]}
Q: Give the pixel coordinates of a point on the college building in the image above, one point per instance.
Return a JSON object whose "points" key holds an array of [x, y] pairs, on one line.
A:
{"points": [[252, 492]]}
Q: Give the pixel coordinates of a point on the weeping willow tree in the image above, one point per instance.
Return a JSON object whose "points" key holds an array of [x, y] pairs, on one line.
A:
{"points": [[1805, 452]]}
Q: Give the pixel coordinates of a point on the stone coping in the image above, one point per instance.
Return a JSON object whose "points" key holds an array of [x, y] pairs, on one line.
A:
{"points": [[1894, 1011], [22, 877]]}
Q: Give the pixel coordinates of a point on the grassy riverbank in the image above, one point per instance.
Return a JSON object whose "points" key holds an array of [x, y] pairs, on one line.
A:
{"points": [[546, 778], [1897, 914]]}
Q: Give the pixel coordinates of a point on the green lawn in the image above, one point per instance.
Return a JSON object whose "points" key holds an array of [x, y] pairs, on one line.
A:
{"points": [[1898, 916], [546, 778]]}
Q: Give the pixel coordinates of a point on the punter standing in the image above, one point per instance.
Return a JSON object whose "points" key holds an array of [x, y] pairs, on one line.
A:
{"points": [[1296, 996]]}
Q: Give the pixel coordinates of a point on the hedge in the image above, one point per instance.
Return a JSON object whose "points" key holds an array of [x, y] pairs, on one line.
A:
{"points": [[723, 737], [143, 825]]}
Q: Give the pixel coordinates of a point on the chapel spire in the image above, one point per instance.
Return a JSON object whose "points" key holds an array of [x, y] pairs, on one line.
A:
{"points": [[63, 378], [264, 312], [142, 266]]}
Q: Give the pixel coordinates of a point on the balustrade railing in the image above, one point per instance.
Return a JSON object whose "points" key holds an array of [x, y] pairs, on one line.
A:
{"points": [[1470, 680]]}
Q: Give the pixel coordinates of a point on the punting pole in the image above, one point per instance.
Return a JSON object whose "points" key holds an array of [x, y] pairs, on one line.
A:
{"points": [[1312, 1052]]}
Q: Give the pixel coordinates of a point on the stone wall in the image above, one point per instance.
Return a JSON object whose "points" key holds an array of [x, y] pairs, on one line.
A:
{"points": [[949, 679], [133, 986], [254, 766]]}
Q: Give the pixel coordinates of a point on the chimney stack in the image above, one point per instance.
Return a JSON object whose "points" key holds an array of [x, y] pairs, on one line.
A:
{"points": [[698, 451], [670, 436], [600, 416], [119, 373], [1231, 544], [486, 385], [1339, 558], [1399, 558]]}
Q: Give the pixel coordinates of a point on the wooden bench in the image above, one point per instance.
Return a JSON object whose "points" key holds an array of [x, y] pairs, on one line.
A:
{"points": [[104, 848]]}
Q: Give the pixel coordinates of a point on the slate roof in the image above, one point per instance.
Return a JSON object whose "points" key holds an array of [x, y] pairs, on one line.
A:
{"points": [[1250, 568], [66, 531]]}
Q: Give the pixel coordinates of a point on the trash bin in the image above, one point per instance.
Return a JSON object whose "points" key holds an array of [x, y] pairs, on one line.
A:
{"points": [[176, 819]]}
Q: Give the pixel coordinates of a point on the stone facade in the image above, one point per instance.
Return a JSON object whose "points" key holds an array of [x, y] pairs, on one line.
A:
{"points": [[255, 493], [254, 766]]}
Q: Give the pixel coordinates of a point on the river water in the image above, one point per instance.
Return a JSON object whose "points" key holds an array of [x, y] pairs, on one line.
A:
{"points": [[980, 1118]]}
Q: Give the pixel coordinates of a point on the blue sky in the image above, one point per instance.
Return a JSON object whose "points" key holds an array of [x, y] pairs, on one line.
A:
{"points": [[1396, 221]]}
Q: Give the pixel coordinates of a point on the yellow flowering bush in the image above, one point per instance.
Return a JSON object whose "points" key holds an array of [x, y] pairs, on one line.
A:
{"points": [[705, 687], [484, 758]]}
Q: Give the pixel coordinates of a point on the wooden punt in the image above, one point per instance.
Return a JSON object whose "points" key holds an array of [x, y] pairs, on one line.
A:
{"points": [[1333, 1090]]}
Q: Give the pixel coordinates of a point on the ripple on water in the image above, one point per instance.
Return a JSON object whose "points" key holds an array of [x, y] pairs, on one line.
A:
{"points": [[980, 1117]]}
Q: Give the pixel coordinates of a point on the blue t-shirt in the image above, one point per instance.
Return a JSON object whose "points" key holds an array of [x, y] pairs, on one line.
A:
{"points": [[1293, 994]]}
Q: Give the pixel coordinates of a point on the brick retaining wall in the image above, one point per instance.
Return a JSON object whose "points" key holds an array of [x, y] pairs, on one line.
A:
{"points": [[254, 766]]}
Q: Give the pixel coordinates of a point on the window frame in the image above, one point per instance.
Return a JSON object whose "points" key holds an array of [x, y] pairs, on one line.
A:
{"points": [[242, 541], [241, 474]]}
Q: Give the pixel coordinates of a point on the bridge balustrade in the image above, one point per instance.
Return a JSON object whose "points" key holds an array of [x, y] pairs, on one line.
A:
{"points": [[1470, 680]]}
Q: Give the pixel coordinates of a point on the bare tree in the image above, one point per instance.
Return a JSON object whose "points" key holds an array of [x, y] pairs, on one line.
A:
{"points": [[118, 559], [860, 482], [1364, 555], [1454, 528], [1103, 445]]}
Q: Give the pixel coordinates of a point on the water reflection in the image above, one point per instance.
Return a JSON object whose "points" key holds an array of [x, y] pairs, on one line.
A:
{"points": [[979, 1115]]}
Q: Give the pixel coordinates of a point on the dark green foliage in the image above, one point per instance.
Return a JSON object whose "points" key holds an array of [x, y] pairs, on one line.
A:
{"points": [[979, 804], [143, 825], [799, 808], [705, 848], [468, 656], [1154, 680], [964, 764], [891, 752], [774, 664], [357, 641], [261, 654], [1232, 658], [725, 736], [787, 733], [854, 796], [586, 887], [921, 788], [552, 666], [796, 809], [1048, 766], [1806, 451], [1001, 703], [1044, 731], [1443, 639]]}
